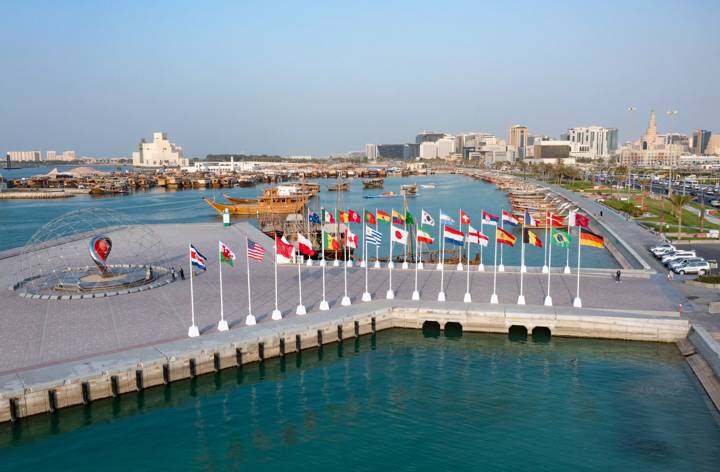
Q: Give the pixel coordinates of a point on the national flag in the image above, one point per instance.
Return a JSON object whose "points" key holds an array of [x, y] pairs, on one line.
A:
{"points": [[282, 248], [353, 216], [328, 216], [424, 237], [226, 255], [490, 219], [591, 239], [531, 238], [464, 218], [503, 237], [553, 220], [196, 258], [529, 220], [509, 218], [370, 218], [576, 219], [255, 251], [331, 243], [453, 236], [444, 217], [382, 216], [397, 218], [398, 235], [409, 220], [476, 237], [342, 216], [372, 236], [314, 217], [305, 245], [427, 219], [560, 237], [351, 239]]}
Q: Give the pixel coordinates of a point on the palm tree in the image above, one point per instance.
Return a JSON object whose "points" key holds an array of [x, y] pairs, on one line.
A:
{"points": [[678, 203]]}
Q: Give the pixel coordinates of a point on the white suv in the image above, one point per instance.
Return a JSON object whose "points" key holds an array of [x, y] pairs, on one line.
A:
{"points": [[693, 267], [677, 255]]}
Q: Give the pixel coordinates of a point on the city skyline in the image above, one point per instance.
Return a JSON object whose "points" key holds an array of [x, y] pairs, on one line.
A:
{"points": [[232, 78]]}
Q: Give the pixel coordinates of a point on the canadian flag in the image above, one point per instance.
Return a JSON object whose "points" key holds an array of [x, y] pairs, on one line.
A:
{"points": [[304, 245], [351, 239], [464, 218], [399, 235]]}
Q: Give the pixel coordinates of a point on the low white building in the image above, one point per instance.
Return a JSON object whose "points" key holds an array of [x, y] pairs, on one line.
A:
{"points": [[159, 153], [221, 166]]}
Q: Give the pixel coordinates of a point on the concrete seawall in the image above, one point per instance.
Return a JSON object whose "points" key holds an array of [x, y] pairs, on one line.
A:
{"points": [[53, 387]]}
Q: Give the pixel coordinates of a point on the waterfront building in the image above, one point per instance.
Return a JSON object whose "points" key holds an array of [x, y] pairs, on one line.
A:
{"points": [[428, 136], [494, 153], [518, 138], [68, 156], [51, 156], [411, 151], [552, 150], [428, 150], [700, 141], [371, 152], [25, 156], [391, 151], [445, 147], [159, 153], [593, 142], [221, 166]]}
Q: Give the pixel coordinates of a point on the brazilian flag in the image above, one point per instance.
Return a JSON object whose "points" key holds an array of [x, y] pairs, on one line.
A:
{"points": [[560, 237]]}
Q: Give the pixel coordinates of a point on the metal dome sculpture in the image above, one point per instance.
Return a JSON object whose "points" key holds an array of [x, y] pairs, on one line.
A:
{"points": [[90, 253]]}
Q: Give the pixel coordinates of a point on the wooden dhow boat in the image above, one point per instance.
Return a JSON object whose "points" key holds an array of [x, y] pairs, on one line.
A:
{"points": [[269, 203]]}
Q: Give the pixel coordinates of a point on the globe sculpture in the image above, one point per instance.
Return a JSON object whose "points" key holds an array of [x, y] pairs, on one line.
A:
{"points": [[91, 253]]}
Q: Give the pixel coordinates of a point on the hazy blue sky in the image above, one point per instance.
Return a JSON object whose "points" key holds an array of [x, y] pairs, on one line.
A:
{"points": [[320, 77]]}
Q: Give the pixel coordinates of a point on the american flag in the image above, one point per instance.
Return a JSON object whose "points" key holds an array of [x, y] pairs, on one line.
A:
{"points": [[255, 251]]}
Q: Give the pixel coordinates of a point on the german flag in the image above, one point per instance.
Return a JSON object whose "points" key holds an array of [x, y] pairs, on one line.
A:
{"points": [[531, 238], [382, 216], [591, 239], [503, 237]]}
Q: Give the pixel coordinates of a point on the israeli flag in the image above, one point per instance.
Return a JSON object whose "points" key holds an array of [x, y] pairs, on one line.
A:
{"points": [[372, 236]]}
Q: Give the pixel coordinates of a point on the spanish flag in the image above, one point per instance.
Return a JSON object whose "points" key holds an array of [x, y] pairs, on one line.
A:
{"points": [[531, 238], [382, 216], [503, 237], [398, 218], [591, 239]]}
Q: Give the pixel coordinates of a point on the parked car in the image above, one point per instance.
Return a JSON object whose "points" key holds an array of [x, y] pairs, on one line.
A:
{"points": [[664, 252], [662, 248], [715, 203], [677, 255], [679, 262], [694, 267]]}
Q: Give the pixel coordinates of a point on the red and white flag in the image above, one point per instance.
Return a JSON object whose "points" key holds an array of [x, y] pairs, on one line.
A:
{"points": [[351, 239], [453, 236], [304, 245], [398, 235], [576, 219], [509, 218], [464, 218], [353, 217], [282, 248], [476, 237], [424, 237]]}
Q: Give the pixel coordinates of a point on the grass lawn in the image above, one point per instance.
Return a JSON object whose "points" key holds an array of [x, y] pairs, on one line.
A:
{"points": [[689, 219]]}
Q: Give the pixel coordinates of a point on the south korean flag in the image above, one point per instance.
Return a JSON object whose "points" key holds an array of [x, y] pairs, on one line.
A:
{"points": [[426, 219]]}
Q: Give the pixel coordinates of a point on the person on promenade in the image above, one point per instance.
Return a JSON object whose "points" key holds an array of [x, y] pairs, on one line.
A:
{"points": [[617, 276], [182, 274], [172, 272], [600, 213]]}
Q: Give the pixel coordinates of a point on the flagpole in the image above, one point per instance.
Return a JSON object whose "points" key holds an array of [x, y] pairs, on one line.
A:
{"points": [[249, 319], [548, 298], [390, 294], [416, 294], [276, 315], [366, 297], [222, 324], [440, 241], [391, 264], [336, 262], [460, 265], [346, 252], [324, 306], [405, 264], [502, 226], [300, 310], [494, 297], [363, 262], [193, 331], [521, 297], [577, 303], [547, 241], [441, 293], [322, 240], [377, 246], [309, 259], [468, 297], [481, 266], [567, 254]]}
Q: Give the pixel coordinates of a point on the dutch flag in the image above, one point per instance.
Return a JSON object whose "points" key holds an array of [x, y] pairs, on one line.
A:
{"points": [[454, 236]]}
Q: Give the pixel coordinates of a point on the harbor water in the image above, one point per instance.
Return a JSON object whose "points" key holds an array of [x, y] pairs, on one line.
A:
{"points": [[402, 400], [21, 218]]}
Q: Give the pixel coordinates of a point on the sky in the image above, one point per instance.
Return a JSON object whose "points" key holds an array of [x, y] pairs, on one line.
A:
{"points": [[328, 77]]}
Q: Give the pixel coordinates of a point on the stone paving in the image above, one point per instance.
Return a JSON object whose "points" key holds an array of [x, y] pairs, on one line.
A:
{"points": [[36, 333]]}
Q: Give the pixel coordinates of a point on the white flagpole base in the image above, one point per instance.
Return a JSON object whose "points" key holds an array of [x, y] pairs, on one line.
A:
{"points": [[309, 262], [416, 295], [276, 315], [300, 310], [494, 299], [523, 268], [349, 263], [363, 264], [366, 297], [548, 301], [577, 303], [193, 332], [324, 306], [223, 325], [501, 268], [420, 266], [391, 265], [441, 296], [545, 269], [481, 268], [405, 265], [345, 301], [566, 270], [521, 300], [439, 266], [376, 265], [250, 320], [336, 263], [323, 263], [390, 294], [467, 298], [460, 266]]}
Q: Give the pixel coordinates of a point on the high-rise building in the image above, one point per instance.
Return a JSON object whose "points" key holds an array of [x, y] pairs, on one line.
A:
{"points": [[428, 150], [713, 146], [159, 153], [445, 147], [371, 152], [593, 142], [51, 156], [700, 140], [411, 151], [25, 156], [68, 156], [391, 151], [428, 137], [517, 137]]}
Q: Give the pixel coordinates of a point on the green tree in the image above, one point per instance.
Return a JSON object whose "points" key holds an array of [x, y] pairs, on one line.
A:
{"points": [[678, 203]]}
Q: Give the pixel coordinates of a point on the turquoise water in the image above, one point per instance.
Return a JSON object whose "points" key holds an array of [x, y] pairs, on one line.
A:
{"points": [[401, 401], [20, 219]]}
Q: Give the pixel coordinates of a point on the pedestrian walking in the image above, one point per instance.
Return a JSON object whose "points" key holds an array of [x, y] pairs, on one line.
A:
{"points": [[172, 272], [182, 274], [617, 276], [601, 213]]}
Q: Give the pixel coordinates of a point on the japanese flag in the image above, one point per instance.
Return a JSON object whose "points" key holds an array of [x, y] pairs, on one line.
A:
{"points": [[399, 235]]}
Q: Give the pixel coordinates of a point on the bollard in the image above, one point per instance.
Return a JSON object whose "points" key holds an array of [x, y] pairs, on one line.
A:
{"points": [[319, 337], [357, 329], [85, 393], [372, 324], [52, 400], [340, 337], [261, 351], [139, 380], [166, 374], [216, 361], [282, 347], [13, 409], [238, 357], [114, 385], [298, 343], [192, 368]]}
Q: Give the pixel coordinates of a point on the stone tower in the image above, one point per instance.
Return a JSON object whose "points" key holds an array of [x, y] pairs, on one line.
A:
{"points": [[651, 133]]}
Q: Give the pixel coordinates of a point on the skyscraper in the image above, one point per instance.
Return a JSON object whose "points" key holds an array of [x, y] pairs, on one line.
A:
{"points": [[700, 140], [517, 137], [371, 152]]}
